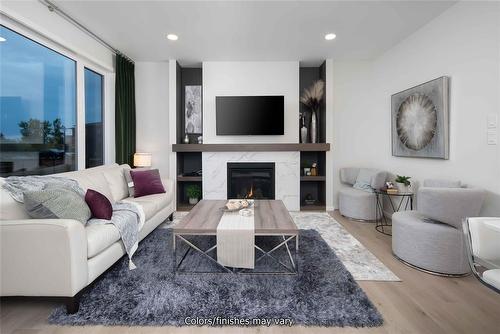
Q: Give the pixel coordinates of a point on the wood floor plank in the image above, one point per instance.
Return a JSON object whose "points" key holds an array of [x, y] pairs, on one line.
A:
{"points": [[421, 303]]}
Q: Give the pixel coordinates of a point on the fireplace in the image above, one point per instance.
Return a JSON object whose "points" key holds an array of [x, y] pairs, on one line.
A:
{"points": [[250, 180]]}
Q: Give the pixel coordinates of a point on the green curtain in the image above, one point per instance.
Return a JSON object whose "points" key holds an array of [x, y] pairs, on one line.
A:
{"points": [[124, 110]]}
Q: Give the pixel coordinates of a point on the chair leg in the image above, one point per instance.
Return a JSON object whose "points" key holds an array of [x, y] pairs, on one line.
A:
{"points": [[73, 304]]}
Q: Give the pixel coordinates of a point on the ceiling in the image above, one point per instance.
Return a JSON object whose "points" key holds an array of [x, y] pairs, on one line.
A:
{"points": [[256, 30]]}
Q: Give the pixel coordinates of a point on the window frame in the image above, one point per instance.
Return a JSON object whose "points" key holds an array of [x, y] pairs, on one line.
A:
{"points": [[81, 63], [103, 111]]}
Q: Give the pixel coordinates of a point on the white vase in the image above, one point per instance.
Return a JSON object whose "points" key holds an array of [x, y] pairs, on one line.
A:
{"points": [[402, 188], [303, 135], [314, 122], [193, 201]]}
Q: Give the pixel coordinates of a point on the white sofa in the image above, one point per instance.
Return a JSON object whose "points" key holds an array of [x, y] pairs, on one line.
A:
{"points": [[60, 257]]}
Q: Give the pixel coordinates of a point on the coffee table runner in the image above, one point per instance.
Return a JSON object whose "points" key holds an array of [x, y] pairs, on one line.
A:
{"points": [[235, 240]]}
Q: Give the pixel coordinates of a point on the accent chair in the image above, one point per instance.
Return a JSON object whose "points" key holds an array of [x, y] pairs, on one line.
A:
{"points": [[431, 238], [356, 203]]}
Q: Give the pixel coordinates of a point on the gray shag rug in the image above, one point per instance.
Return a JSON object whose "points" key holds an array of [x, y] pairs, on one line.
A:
{"points": [[323, 293]]}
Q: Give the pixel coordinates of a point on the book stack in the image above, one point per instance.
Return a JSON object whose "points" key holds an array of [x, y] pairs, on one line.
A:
{"points": [[392, 190]]}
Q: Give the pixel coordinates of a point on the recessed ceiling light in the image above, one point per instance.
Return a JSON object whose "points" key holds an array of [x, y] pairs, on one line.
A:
{"points": [[329, 37], [172, 37], [2, 39]]}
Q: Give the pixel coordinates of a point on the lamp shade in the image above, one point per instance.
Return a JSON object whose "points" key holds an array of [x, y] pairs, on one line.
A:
{"points": [[142, 160]]}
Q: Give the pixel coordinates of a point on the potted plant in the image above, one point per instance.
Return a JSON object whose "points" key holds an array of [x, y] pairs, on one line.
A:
{"points": [[402, 183], [306, 169], [193, 193]]}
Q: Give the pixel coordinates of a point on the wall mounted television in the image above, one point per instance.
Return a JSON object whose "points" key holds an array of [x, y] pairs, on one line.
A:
{"points": [[250, 115]]}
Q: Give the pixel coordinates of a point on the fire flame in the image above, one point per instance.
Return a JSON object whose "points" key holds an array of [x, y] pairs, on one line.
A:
{"points": [[250, 194]]}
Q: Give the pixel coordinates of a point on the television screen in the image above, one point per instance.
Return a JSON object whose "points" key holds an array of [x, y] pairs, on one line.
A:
{"points": [[250, 115]]}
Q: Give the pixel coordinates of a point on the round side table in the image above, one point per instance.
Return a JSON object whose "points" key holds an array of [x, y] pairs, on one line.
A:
{"points": [[402, 202]]}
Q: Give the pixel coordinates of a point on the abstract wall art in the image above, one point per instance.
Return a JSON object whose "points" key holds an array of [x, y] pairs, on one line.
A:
{"points": [[193, 116], [420, 120]]}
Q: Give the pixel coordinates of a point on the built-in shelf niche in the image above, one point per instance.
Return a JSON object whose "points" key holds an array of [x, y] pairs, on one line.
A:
{"points": [[187, 163], [313, 185], [186, 76], [307, 77]]}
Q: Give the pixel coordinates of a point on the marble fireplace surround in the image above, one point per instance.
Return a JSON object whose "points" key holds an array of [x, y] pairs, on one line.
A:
{"points": [[287, 174]]}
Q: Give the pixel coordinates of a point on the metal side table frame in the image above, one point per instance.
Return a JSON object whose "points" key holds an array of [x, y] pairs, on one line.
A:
{"points": [[381, 221]]}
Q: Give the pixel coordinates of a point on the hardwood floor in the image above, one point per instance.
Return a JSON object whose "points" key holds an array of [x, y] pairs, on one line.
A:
{"points": [[421, 303]]}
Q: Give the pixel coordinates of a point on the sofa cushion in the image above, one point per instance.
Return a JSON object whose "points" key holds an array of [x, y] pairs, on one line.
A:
{"points": [[115, 177], [151, 204], [93, 178], [100, 237], [150, 207]]}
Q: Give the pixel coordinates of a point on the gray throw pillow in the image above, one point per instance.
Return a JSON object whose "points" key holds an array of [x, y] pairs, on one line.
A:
{"points": [[56, 203], [130, 182]]}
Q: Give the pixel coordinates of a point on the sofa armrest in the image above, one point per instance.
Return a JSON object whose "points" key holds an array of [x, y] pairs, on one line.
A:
{"points": [[42, 257], [168, 184], [450, 205]]}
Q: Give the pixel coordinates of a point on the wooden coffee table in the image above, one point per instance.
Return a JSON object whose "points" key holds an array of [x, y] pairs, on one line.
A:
{"points": [[271, 219]]}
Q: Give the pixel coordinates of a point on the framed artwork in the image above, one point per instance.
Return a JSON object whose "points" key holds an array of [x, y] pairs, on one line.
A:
{"points": [[420, 120], [192, 110]]}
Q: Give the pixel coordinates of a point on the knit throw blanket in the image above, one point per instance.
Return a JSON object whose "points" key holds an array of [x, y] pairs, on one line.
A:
{"points": [[18, 185], [128, 217]]}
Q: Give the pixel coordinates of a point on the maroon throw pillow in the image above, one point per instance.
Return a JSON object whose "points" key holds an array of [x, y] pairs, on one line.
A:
{"points": [[99, 205], [147, 182]]}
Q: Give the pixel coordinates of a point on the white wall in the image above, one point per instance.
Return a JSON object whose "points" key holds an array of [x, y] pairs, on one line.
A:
{"points": [[462, 43], [152, 124], [251, 78], [49, 24]]}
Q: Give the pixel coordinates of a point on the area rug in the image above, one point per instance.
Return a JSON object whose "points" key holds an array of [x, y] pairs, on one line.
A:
{"points": [[359, 261], [324, 293]]}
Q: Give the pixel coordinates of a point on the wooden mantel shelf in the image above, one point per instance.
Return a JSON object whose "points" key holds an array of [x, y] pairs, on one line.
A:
{"points": [[250, 147]]}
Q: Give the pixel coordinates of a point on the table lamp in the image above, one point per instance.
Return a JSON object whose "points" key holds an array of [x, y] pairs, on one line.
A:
{"points": [[142, 160]]}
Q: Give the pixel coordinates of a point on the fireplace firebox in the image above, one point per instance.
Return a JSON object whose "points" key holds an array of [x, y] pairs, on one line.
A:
{"points": [[250, 180]]}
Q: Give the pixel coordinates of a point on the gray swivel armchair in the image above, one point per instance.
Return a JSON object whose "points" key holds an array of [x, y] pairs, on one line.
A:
{"points": [[355, 203], [431, 238]]}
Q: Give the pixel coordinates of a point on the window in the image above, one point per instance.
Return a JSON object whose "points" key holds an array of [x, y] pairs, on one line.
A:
{"points": [[37, 108], [94, 130]]}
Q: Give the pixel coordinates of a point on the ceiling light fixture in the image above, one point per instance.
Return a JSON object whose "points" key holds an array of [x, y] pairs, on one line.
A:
{"points": [[329, 37], [172, 37], [2, 39]]}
